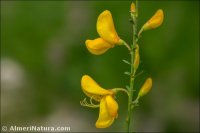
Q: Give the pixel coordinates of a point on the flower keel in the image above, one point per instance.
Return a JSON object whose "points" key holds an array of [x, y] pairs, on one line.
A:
{"points": [[105, 119], [97, 46]]}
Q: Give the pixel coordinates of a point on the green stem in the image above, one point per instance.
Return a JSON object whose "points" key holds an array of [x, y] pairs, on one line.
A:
{"points": [[130, 94], [132, 75], [125, 44], [120, 89]]}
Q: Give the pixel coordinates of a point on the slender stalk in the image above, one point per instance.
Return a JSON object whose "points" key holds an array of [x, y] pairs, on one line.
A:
{"points": [[130, 94], [132, 75], [121, 89], [125, 44]]}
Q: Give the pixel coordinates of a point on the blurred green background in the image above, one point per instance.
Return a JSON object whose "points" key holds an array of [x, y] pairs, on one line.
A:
{"points": [[43, 57]]}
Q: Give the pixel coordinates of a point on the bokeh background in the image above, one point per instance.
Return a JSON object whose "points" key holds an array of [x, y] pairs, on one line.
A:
{"points": [[43, 57]]}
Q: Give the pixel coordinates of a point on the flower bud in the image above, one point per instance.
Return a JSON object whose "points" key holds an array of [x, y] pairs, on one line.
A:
{"points": [[137, 57], [132, 7], [154, 21], [146, 87]]}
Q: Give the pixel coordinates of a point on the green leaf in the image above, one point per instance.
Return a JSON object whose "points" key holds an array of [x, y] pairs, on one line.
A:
{"points": [[127, 62], [138, 74], [127, 73]]}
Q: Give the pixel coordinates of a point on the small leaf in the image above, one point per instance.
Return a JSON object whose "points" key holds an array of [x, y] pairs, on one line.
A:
{"points": [[127, 73], [138, 74], [127, 62]]}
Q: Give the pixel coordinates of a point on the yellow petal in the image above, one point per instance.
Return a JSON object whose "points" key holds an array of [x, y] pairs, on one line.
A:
{"points": [[92, 89], [97, 46], [106, 28], [154, 21], [137, 57], [146, 87], [105, 119], [112, 106]]}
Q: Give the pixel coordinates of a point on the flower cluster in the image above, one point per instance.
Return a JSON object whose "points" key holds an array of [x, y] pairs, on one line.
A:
{"points": [[101, 98]]}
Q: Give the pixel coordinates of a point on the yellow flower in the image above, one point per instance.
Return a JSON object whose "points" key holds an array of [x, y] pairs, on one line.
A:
{"points": [[106, 28], [108, 35], [154, 21], [97, 46], [108, 106], [146, 87]]}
